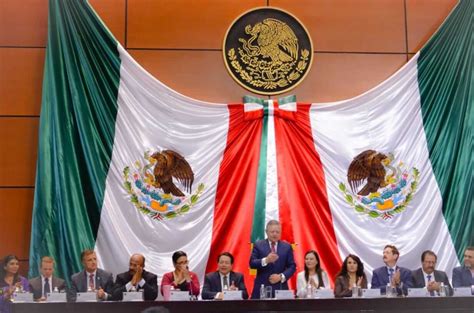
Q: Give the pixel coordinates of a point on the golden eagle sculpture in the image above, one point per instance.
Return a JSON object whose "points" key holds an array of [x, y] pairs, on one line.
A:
{"points": [[275, 40], [368, 165], [171, 164]]}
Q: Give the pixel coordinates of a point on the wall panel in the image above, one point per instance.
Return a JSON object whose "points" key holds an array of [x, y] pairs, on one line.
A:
{"points": [[21, 79], [351, 26], [19, 145], [182, 23], [16, 219], [23, 22]]}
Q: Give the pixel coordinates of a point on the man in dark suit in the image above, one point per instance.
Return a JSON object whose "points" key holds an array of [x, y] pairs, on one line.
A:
{"points": [[46, 283], [398, 277], [136, 279], [463, 276], [273, 259], [91, 278], [428, 277], [224, 278]]}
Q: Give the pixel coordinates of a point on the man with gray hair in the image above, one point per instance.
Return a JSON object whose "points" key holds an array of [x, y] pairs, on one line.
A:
{"points": [[273, 259]]}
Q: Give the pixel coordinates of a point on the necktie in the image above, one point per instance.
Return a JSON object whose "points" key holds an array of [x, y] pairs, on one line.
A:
{"points": [[226, 283], [46, 287], [91, 281], [429, 279], [391, 270], [273, 247]]}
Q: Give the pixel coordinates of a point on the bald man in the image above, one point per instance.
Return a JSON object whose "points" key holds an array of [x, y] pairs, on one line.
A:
{"points": [[136, 279]]}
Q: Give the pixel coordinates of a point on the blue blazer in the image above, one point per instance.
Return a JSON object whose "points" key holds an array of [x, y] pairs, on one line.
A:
{"points": [[462, 277], [284, 265], [212, 284], [380, 279]]}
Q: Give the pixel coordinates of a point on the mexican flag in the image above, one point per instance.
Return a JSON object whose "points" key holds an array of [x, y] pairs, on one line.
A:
{"points": [[127, 165]]}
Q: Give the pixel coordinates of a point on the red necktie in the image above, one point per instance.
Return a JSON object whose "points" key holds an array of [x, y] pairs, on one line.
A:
{"points": [[91, 281], [273, 247]]}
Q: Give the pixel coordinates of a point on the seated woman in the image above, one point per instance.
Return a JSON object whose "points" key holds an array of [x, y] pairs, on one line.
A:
{"points": [[10, 280], [352, 273], [181, 278], [312, 274]]}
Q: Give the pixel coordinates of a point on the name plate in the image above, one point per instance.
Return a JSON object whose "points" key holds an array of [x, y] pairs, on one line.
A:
{"points": [[86, 297], [324, 294], [23, 297], [371, 293], [178, 295], [232, 294], [462, 292], [134, 296], [56, 297], [418, 292], [284, 294]]}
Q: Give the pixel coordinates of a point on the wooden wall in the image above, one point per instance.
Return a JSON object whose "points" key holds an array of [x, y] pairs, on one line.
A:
{"points": [[358, 44]]}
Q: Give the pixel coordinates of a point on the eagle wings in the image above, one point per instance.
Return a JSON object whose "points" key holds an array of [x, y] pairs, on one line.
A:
{"points": [[171, 164], [367, 165]]}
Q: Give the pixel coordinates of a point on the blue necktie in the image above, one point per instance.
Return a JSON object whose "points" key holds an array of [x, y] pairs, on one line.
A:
{"points": [[429, 279], [391, 270], [46, 287]]}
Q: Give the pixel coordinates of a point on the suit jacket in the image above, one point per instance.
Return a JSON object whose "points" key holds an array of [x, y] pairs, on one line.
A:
{"points": [[284, 265], [380, 279], [462, 277], [150, 288], [37, 289], [212, 284], [79, 283], [439, 276]]}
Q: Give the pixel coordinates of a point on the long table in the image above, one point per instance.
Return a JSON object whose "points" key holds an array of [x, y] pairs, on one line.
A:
{"points": [[349, 305]]}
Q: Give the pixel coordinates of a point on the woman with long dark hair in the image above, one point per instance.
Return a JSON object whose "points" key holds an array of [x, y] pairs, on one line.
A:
{"points": [[10, 280], [313, 274], [352, 273], [181, 278]]}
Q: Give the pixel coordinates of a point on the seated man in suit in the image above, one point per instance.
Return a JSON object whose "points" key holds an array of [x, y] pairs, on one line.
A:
{"points": [[91, 278], [463, 276], [46, 283], [136, 279], [428, 277], [224, 278], [398, 277], [273, 260]]}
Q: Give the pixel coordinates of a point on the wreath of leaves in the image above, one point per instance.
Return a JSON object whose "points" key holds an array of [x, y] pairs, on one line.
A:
{"points": [[183, 208], [282, 82]]}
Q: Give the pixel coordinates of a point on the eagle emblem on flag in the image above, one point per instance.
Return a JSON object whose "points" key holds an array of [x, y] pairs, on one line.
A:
{"points": [[160, 185], [378, 186]]}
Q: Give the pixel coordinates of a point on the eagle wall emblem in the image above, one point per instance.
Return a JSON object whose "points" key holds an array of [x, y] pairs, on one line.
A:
{"points": [[160, 185], [378, 187], [267, 51]]}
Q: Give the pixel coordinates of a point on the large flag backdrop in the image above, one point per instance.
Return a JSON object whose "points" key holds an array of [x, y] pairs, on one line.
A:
{"points": [[103, 116]]}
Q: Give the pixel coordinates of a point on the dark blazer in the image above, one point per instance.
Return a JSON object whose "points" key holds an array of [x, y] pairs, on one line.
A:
{"points": [[79, 283], [439, 276], [212, 284], [462, 277], [284, 265], [380, 279], [341, 286], [150, 288], [37, 289]]}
